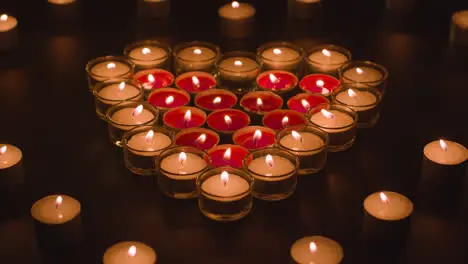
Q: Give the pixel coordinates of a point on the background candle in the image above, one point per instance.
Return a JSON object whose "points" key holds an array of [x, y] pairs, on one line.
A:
{"points": [[227, 155], [237, 19], [201, 138], [327, 58], [153, 9], [281, 56], [459, 28], [154, 78], [316, 249], [215, 99], [8, 33], [108, 67], [305, 9], [129, 252], [303, 102], [149, 54], [195, 56], [12, 191]]}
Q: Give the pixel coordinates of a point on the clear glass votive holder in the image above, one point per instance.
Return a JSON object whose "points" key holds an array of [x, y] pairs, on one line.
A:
{"points": [[224, 193], [149, 54], [237, 71], [326, 59], [115, 91], [128, 115], [363, 99], [338, 121], [142, 147], [365, 73], [274, 172], [195, 56], [179, 168], [308, 143], [108, 67], [281, 56]]}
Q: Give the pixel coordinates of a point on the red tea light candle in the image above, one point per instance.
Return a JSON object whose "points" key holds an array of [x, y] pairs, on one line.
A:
{"points": [[227, 121], [261, 102], [319, 84], [195, 82], [280, 119], [254, 137], [154, 78], [277, 81], [303, 102], [201, 138], [227, 155], [167, 98], [215, 99], [184, 117]]}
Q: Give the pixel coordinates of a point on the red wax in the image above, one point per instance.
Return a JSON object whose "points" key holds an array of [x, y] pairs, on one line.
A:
{"points": [[309, 83], [295, 103], [284, 81], [276, 119], [217, 121], [175, 118], [245, 137], [185, 82], [190, 137], [217, 158], [208, 99], [162, 78], [270, 101], [159, 97]]}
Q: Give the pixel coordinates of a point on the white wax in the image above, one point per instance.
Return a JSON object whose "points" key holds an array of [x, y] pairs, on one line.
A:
{"points": [[364, 100], [234, 186], [238, 68], [286, 58], [368, 75], [46, 210], [10, 157], [281, 166], [455, 153], [119, 254], [61, 2], [460, 18], [327, 63], [397, 206], [7, 23], [112, 94], [243, 11], [192, 164], [190, 55], [327, 251], [101, 72], [332, 125], [144, 147], [155, 56], [307, 145], [126, 118]]}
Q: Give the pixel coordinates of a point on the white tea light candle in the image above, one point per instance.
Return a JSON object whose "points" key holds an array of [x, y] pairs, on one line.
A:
{"points": [[148, 54], [332, 121], [316, 249], [129, 252], [148, 142], [327, 58], [281, 56], [236, 19], [195, 56]]}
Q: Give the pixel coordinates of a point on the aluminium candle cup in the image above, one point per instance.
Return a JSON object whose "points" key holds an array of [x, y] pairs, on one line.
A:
{"points": [[217, 121], [364, 100], [365, 73], [108, 67], [274, 179], [153, 9], [197, 137], [309, 145], [128, 115], [224, 193], [64, 10], [8, 32], [269, 102], [165, 99], [281, 56], [246, 137], [338, 121], [142, 147], [326, 59], [178, 173], [115, 91], [305, 9], [237, 71], [12, 180], [149, 54], [237, 20], [459, 28], [195, 56]]}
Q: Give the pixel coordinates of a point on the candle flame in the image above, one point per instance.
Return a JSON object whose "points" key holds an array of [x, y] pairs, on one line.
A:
{"points": [[235, 4], [60, 216], [305, 104], [195, 81], [3, 150], [257, 135], [359, 71], [227, 154], [320, 83], [182, 157], [326, 52], [273, 78], [352, 93], [443, 145], [4, 17], [296, 135], [197, 51], [312, 247], [131, 251], [285, 121], [277, 51], [111, 65], [151, 78], [58, 201], [238, 63], [138, 110], [201, 139], [228, 120], [269, 161], [383, 197], [224, 177], [187, 116], [145, 51], [217, 100], [169, 100], [327, 114], [259, 102], [149, 136], [121, 86]]}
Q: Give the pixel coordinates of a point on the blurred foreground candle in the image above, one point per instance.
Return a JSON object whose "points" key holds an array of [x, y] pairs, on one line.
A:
{"points": [[179, 169], [303, 102], [281, 56], [237, 19], [308, 143], [227, 121], [63, 10], [57, 220], [386, 219], [225, 193], [201, 138], [108, 67], [279, 119], [153, 9], [327, 59], [195, 82], [238, 70], [366, 73], [215, 99], [153, 79], [183, 117], [195, 56], [318, 83], [254, 137], [459, 28], [274, 172], [129, 252], [142, 147], [8, 33], [258, 103], [305, 9], [338, 121], [316, 249], [227, 155], [149, 54]]}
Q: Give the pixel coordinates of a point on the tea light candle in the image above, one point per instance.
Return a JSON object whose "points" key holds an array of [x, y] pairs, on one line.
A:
{"points": [[129, 252], [271, 165], [236, 19], [238, 68], [279, 119], [194, 82], [148, 54], [254, 137], [215, 99], [459, 28], [11, 167], [280, 56], [316, 249], [327, 58], [277, 81], [332, 121], [201, 138], [303, 102], [358, 100], [226, 186], [183, 164], [63, 9], [167, 98], [362, 75], [128, 117], [8, 33], [110, 69], [7, 23], [153, 9], [195, 56], [319, 84], [227, 155], [148, 143], [184, 117], [305, 9], [445, 152], [117, 92], [154, 78], [260, 102], [227, 121]]}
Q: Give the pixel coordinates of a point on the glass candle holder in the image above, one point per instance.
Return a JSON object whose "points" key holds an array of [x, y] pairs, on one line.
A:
{"points": [[281, 56], [254, 137], [338, 121], [108, 67], [195, 82], [184, 117], [201, 138], [237, 19], [226, 122], [149, 54], [364, 100], [215, 99], [318, 83], [227, 155], [366, 73], [168, 98], [115, 91], [327, 59], [128, 115], [279, 82], [459, 28], [279, 119], [274, 172], [195, 56], [308, 143], [303, 102], [237, 71], [179, 168], [258, 103], [225, 193], [142, 147], [153, 79]]}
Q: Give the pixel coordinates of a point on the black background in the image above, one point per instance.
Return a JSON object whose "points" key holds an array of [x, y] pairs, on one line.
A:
{"points": [[46, 109]]}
